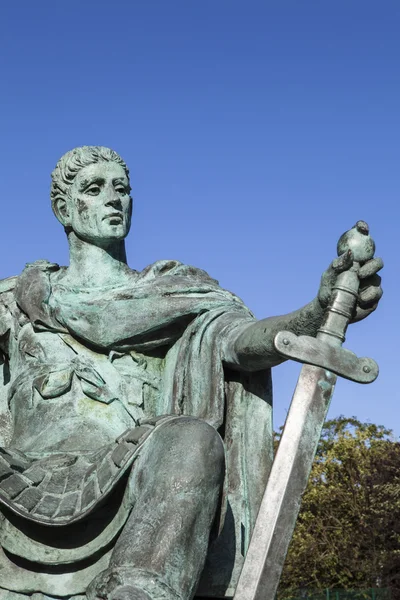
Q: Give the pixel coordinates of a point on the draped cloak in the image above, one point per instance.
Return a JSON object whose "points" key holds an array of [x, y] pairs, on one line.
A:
{"points": [[176, 320]]}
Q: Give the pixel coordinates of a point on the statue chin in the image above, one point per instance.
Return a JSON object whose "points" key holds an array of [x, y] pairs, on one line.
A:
{"points": [[108, 236]]}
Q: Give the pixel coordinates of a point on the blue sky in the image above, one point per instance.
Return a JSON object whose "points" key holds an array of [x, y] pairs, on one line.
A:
{"points": [[256, 133]]}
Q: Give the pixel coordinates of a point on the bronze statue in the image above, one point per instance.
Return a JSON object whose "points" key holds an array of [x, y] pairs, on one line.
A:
{"points": [[135, 409]]}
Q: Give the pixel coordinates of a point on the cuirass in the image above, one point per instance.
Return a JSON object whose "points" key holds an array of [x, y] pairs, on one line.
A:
{"points": [[67, 397]]}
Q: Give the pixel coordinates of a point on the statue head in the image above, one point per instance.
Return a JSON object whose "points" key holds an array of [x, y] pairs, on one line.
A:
{"points": [[90, 194]]}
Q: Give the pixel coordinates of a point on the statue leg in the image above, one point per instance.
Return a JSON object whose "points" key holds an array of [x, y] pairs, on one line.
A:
{"points": [[176, 484]]}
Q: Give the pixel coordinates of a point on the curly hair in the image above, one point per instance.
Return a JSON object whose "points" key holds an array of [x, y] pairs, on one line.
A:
{"points": [[73, 161]]}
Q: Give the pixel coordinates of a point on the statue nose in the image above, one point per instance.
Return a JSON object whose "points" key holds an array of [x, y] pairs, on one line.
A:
{"points": [[113, 200]]}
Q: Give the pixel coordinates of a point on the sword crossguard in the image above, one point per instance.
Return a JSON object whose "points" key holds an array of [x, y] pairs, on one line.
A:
{"points": [[312, 351]]}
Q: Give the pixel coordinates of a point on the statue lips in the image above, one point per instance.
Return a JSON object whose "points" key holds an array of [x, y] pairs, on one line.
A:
{"points": [[115, 218]]}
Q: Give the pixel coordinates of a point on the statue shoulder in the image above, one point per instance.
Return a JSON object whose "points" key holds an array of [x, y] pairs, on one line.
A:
{"points": [[8, 312], [8, 285], [7, 296], [175, 268], [20, 292]]}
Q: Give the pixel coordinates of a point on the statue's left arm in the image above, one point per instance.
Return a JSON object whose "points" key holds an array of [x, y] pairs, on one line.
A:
{"points": [[251, 347]]}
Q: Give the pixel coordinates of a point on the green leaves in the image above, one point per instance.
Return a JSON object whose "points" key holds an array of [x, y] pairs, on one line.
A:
{"points": [[348, 531]]}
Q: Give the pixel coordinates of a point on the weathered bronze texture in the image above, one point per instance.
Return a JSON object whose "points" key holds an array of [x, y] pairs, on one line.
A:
{"points": [[135, 409]]}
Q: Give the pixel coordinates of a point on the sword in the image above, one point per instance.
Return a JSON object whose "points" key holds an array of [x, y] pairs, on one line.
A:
{"points": [[324, 359]]}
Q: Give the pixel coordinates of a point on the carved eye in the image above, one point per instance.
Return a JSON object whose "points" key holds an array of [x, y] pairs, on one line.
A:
{"points": [[93, 190], [120, 190]]}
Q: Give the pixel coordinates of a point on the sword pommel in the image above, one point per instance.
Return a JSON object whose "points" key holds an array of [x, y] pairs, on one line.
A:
{"points": [[358, 241], [345, 291]]}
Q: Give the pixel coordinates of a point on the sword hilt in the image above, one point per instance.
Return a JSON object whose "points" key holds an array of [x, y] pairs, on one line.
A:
{"points": [[325, 350], [345, 291]]}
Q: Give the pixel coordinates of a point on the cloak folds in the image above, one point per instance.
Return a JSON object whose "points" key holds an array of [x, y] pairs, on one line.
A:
{"points": [[182, 313]]}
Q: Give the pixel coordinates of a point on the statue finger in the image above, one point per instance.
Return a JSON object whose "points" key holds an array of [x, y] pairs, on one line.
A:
{"points": [[343, 262], [372, 281], [370, 268], [370, 296], [362, 313]]}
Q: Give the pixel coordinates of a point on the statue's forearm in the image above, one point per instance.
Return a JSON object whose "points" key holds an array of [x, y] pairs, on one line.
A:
{"points": [[252, 349]]}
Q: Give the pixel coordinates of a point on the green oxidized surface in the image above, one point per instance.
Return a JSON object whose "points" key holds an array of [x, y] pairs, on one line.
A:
{"points": [[94, 354]]}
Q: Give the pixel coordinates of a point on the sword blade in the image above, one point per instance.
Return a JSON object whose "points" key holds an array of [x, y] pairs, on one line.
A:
{"points": [[287, 482]]}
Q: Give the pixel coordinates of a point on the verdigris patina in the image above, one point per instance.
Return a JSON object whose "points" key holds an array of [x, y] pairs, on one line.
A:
{"points": [[135, 409]]}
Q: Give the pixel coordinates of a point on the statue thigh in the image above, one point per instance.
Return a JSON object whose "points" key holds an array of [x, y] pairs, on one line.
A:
{"points": [[175, 487]]}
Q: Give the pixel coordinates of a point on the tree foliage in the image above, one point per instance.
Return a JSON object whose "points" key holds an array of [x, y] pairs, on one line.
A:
{"points": [[348, 531]]}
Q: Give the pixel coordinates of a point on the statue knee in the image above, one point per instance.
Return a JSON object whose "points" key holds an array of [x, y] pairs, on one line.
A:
{"points": [[202, 444], [194, 451]]}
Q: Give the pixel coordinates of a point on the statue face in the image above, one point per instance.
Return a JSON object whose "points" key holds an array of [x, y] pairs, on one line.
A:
{"points": [[99, 205]]}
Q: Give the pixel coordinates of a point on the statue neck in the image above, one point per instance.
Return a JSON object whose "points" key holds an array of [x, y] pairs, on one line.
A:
{"points": [[94, 266]]}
